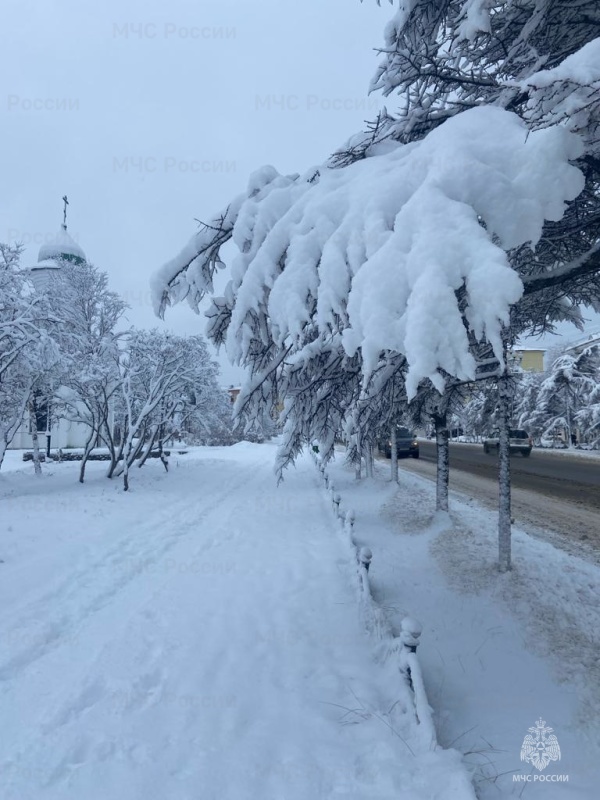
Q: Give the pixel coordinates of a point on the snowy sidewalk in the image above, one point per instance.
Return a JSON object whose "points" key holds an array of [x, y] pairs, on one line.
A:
{"points": [[198, 638], [498, 651]]}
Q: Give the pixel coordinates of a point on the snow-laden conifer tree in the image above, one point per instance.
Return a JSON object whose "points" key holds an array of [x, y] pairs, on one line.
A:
{"points": [[567, 391], [539, 59], [415, 241], [588, 417]]}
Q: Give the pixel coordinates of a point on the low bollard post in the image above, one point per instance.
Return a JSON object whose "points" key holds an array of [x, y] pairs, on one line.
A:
{"points": [[410, 633], [350, 517], [365, 556], [336, 502]]}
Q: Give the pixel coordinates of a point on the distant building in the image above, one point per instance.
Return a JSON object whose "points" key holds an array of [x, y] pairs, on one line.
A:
{"points": [[531, 359], [56, 431], [581, 344], [233, 392]]}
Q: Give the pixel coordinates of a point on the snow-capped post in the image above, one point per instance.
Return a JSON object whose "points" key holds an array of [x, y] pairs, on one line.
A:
{"points": [[337, 499], [349, 522], [410, 634], [365, 557], [364, 561]]}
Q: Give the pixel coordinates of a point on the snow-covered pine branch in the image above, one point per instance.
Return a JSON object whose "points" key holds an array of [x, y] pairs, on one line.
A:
{"points": [[540, 60], [377, 251]]}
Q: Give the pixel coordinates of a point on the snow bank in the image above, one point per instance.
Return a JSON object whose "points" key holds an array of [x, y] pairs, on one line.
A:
{"points": [[499, 650]]}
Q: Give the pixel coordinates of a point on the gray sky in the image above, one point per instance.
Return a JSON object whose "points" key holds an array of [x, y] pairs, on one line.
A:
{"points": [[151, 114]]}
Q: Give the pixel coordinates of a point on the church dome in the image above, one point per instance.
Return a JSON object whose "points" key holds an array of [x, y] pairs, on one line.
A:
{"points": [[63, 246]]}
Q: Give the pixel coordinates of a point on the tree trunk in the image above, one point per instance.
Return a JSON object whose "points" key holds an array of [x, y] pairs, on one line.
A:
{"points": [[125, 463], [148, 449], [504, 499], [13, 424], [443, 461], [163, 457], [89, 446], [369, 460], [115, 456], [358, 464], [115, 442], [35, 441], [394, 442], [131, 453]]}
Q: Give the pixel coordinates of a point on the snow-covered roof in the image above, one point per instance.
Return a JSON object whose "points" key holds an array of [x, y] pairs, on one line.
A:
{"points": [[63, 245], [591, 338], [46, 264]]}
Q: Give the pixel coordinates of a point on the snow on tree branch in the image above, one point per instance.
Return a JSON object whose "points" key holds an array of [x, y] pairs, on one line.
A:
{"points": [[568, 94], [377, 250]]}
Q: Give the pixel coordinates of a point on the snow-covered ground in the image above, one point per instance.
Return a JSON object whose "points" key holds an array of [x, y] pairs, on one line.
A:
{"points": [[498, 651], [199, 637]]}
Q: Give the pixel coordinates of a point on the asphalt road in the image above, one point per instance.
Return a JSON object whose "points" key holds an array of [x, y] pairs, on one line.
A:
{"points": [[555, 475]]}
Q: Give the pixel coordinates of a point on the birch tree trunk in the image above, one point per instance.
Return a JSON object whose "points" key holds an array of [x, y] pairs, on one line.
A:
{"points": [[369, 460], [35, 441], [163, 457], [148, 449], [89, 446], [358, 465], [504, 494], [443, 461], [394, 446]]}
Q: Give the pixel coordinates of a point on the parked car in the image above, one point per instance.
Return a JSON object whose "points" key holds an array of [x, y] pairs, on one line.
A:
{"points": [[406, 444], [519, 442]]}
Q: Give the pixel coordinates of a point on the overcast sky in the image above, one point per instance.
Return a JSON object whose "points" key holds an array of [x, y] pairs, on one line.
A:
{"points": [[149, 115]]}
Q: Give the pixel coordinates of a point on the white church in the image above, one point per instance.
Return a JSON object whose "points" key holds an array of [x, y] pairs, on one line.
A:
{"points": [[52, 432]]}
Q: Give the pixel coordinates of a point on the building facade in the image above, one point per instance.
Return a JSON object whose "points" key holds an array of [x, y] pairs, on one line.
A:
{"points": [[53, 431]]}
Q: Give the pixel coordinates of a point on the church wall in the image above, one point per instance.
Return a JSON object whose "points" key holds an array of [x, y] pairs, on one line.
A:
{"points": [[65, 434]]}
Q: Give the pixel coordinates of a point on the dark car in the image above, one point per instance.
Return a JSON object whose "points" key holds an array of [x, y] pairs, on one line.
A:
{"points": [[519, 442], [406, 443]]}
